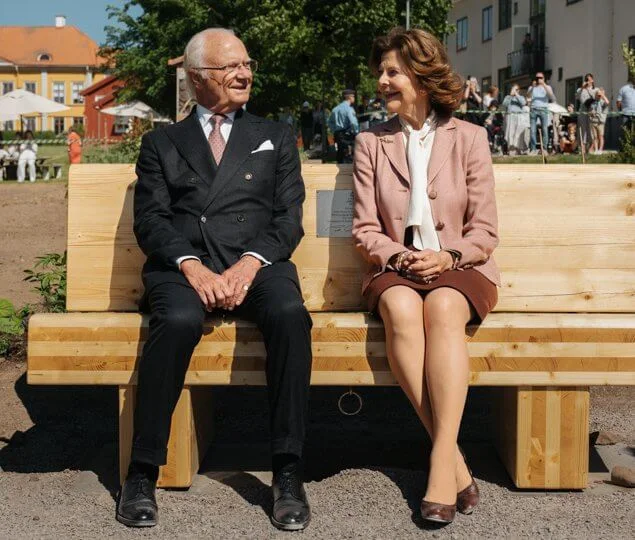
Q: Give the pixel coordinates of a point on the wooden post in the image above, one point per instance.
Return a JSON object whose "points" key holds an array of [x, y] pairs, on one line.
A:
{"points": [[543, 435], [190, 435], [542, 146]]}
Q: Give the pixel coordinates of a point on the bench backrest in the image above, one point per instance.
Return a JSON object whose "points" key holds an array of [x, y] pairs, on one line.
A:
{"points": [[567, 239]]}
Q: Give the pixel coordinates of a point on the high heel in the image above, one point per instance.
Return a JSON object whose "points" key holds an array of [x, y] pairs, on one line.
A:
{"points": [[467, 499], [437, 512]]}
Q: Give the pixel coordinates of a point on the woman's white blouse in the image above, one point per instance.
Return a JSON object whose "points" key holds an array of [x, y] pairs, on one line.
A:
{"points": [[418, 150]]}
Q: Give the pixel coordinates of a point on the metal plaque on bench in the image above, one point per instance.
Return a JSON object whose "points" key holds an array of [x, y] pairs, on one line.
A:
{"points": [[334, 213]]}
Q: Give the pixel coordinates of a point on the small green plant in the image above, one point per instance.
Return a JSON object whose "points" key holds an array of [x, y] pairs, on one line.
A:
{"points": [[49, 274], [12, 324], [626, 152]]}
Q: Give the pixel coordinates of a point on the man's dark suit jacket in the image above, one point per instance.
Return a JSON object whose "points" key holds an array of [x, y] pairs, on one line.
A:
{"points": [[185, 205]]}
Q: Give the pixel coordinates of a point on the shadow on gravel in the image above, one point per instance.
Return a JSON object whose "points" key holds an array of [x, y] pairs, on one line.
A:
{"points": [[72, 427]]}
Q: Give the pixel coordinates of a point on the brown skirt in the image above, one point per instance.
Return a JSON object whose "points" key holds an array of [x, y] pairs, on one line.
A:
{"points": [[480, 292]]}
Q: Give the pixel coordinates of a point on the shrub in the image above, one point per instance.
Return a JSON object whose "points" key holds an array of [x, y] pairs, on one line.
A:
{"points": [[12, 325], [626, 152], [51, 280]]}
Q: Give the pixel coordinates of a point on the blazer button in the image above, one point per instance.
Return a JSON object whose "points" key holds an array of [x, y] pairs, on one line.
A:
{"points": [[240, 218], [248, 176], [432, 194], [440, 226], [203, 219]]}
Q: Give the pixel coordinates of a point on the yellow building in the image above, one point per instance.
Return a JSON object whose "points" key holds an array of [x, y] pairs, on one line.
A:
{"points": [[56, 62]]}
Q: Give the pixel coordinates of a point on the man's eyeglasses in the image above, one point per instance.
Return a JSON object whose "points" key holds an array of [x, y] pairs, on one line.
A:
{"points": [[250, 65]]}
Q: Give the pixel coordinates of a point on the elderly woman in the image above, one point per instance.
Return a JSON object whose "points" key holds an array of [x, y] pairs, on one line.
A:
{"points": [[516, 121], [425, 219]]}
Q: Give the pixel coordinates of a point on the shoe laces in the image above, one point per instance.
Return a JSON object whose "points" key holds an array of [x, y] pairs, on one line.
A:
{"points": [[290, 483]]}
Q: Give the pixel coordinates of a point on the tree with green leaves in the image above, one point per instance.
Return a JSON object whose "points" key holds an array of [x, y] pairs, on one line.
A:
{"points": [[307, 49]]}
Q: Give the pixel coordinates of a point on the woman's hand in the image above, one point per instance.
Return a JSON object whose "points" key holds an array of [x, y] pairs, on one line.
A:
{"points": [[427, 264]]}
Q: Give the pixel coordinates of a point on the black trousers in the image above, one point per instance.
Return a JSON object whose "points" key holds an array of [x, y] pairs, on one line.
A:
{"points": [[345, 141], [275, 304]]}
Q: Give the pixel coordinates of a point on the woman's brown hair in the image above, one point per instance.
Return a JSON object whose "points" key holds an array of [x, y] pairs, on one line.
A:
{"points": [[426, 59]]}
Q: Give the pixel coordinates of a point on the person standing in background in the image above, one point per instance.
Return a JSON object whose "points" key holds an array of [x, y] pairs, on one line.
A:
{"points": [[473, 100], [306, 125], [626, 102], [541, 95], [344, 126], [597, 118], [28, 153], [585, 96], [74, 142]]}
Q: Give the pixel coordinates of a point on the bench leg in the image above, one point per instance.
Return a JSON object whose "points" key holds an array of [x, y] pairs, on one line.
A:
{"points": [[542, 435], [190, 435]]}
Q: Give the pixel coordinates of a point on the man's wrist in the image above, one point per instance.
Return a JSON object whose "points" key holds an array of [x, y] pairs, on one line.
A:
{"points": [[252, 261]]}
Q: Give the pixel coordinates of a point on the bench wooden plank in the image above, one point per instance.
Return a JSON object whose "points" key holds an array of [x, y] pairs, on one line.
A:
{"points": [[508, 349], [567, 240]]}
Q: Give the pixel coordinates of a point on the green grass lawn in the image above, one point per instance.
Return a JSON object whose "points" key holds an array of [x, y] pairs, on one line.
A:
{"points": [[56, 153]]}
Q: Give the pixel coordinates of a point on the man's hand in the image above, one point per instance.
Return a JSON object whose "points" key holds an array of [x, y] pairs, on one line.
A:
{"points": [[427, 264], [212, 288], [239, 278]]}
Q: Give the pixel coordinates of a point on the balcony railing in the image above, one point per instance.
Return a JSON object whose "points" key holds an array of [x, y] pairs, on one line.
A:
{"points": [[526, 61]]}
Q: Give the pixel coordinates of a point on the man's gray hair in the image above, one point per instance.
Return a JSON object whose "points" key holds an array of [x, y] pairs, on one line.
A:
{"points": [[193, 55]]}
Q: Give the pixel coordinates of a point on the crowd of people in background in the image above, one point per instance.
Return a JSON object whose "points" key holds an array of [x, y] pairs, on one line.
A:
{"points": [[525, 121], [24, 151]]}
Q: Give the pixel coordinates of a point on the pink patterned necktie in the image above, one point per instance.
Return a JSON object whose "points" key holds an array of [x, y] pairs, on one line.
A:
{"points": [[216, 141]]}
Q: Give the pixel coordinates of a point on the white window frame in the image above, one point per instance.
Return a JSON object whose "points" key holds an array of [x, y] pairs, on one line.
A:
{"points": [[56, 86], [461, 34]]}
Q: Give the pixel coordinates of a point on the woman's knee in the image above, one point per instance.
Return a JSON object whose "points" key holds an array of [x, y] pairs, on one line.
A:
{"points": [[400, 307], [446, 308]]}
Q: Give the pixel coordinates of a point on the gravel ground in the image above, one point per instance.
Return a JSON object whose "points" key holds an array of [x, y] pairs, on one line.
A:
{"points": [[366, 474]]}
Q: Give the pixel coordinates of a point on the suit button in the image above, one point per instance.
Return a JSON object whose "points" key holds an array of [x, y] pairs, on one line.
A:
{"points": [[240, 218], [203, 219], [248, 176], [433, 194], [440, 226]]}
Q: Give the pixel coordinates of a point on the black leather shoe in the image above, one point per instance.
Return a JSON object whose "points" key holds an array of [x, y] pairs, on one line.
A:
{"points": [[291, 510], [137, 505]]}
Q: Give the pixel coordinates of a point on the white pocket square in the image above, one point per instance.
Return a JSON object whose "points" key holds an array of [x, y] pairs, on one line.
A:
{"points": [[267, 145]]}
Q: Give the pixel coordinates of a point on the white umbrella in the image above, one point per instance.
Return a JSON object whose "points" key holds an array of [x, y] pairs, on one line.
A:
{"points": [[18, 102], [137, 109], [557, 109]]}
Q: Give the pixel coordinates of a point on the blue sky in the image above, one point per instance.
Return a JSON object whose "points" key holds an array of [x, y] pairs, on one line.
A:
{"points": [[88, 15]]}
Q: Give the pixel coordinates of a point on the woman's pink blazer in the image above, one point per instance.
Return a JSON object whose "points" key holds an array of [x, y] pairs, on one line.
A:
{"points": [[460, 188]]}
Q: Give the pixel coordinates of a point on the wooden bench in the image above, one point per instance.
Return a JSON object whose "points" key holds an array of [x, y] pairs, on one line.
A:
{"points": [[565, 319]]}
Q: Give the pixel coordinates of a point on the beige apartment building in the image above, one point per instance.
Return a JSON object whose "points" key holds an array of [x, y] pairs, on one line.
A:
{"points": [[568, 38]]}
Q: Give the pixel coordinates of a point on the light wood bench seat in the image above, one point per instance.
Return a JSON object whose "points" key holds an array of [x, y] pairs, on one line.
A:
{"points": [[565, 318]]}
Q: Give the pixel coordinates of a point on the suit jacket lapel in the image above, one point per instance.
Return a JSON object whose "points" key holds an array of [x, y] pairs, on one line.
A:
{"points": [[242, 140], [189, 139], [393, 146], [444, 140]]}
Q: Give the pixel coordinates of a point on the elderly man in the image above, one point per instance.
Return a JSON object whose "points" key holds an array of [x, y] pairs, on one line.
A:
{"points": [[217, 211]]}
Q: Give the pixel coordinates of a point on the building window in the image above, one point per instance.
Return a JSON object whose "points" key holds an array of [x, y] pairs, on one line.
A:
{"points": [[486, 19], [78, 120], [44, 57], [572, 2], [537, 7], [631, 42], [29, 123], [559, 74], [570, 88], [30, 87], [515, 8], [58, 92], [7, 87], [504, 14], [58, 125], [8, 125], [461, 34], [503, 78], [76, 88]]}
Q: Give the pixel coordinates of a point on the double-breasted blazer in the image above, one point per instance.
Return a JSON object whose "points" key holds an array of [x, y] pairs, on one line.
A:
{"points": [[460, 188], [185, 204]]}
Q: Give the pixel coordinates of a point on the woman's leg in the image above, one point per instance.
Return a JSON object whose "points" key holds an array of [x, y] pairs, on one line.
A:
{"points": [[446, 312], [401, 309]]}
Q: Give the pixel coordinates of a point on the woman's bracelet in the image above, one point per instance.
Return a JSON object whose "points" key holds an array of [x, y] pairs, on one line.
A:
{"points": [[400, 258]]}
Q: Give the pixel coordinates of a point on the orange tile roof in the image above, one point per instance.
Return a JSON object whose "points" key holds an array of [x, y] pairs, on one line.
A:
{"points": [[66, 46]]}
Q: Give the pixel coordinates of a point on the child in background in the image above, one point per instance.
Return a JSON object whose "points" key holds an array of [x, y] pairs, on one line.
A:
{"points": [[569, 142], [597, 117]]}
